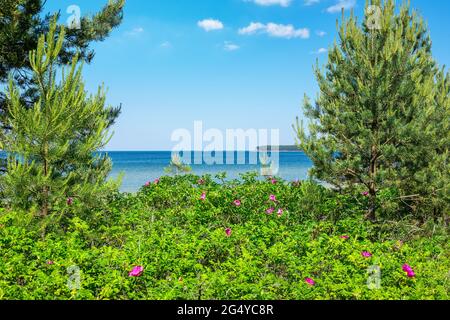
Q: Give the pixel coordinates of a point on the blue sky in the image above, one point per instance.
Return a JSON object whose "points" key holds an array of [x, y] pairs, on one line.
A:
{"points": [[229, 63]]}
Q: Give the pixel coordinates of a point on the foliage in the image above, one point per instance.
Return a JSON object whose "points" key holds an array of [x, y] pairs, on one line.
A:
{"points": [[51, 145], [177, 166], [381, 119], [21, 24], [181, 241]]}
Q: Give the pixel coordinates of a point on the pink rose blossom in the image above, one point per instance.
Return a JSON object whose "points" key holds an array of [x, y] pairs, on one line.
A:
{"points": [[274, 181], [69, 201], [228, 232], [280, 212], [237, 203], [409, 271], [136, 272], [201, 181], [156, 181], [203, 196], [366, 254], [273, 198], [270, 210], [366, 193], [50, 262], [147, 183], [345, 237], [406, 268], [310, 282]]}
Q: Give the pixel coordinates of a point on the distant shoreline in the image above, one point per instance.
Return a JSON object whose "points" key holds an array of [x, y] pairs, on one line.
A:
{"points": [[282, 148], [165, 151]]}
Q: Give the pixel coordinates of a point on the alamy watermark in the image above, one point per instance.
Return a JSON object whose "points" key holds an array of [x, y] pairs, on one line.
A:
{"points": [[232, 146], [374, 279], [74, 280], [373, 16], [74, 20]]}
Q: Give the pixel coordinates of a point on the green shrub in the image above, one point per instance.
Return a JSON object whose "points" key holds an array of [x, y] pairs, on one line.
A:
{"points": [[181, 242]]}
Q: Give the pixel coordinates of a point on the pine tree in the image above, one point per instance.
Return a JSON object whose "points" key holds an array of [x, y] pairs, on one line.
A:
{"points": [[21, 24], [177, 166], [52, 145], [381, 118]]}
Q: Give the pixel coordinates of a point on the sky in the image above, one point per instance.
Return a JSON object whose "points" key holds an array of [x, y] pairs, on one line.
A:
{"points": [[232, 64]]}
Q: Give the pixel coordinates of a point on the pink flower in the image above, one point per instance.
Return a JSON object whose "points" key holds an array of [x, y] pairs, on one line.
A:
{"points": [[280, 212], [69, 201], [147, 183], [50, 262], [274, 181], [273, 198], [365, 194], [407, 268], [409, 271], [228, 232], [310, 282], [201, 181], [203, 196], [156, 181], [366, 254], [345, 237], [136, 272], [270, 210], [237, 203]]}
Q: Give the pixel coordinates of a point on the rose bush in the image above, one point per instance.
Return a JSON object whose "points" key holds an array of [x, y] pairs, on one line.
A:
{"points": [[182, 239]]}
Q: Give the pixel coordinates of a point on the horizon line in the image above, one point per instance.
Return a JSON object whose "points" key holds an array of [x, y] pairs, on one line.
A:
{"points": [[142, 150]]}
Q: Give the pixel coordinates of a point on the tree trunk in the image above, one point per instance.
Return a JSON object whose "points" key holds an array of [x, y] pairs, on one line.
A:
{"points": [[45, 190], [371, 214], [44, 210]]}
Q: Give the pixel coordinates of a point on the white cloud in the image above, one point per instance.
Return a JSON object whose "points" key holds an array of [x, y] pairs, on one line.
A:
{"points": [[311, 2], [210, 24], [135, 31], [229, 46], [321, 33], [286, 31], [341, 4], [252, 28], [283, 3], [166, 45], [275, 30], [320, 51]]}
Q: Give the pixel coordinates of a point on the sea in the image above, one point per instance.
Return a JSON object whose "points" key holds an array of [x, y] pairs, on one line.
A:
{"points": [[138, 167]]}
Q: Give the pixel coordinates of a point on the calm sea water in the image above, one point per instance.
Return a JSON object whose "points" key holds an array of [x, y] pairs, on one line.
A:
{"points": [[140, 167]]}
